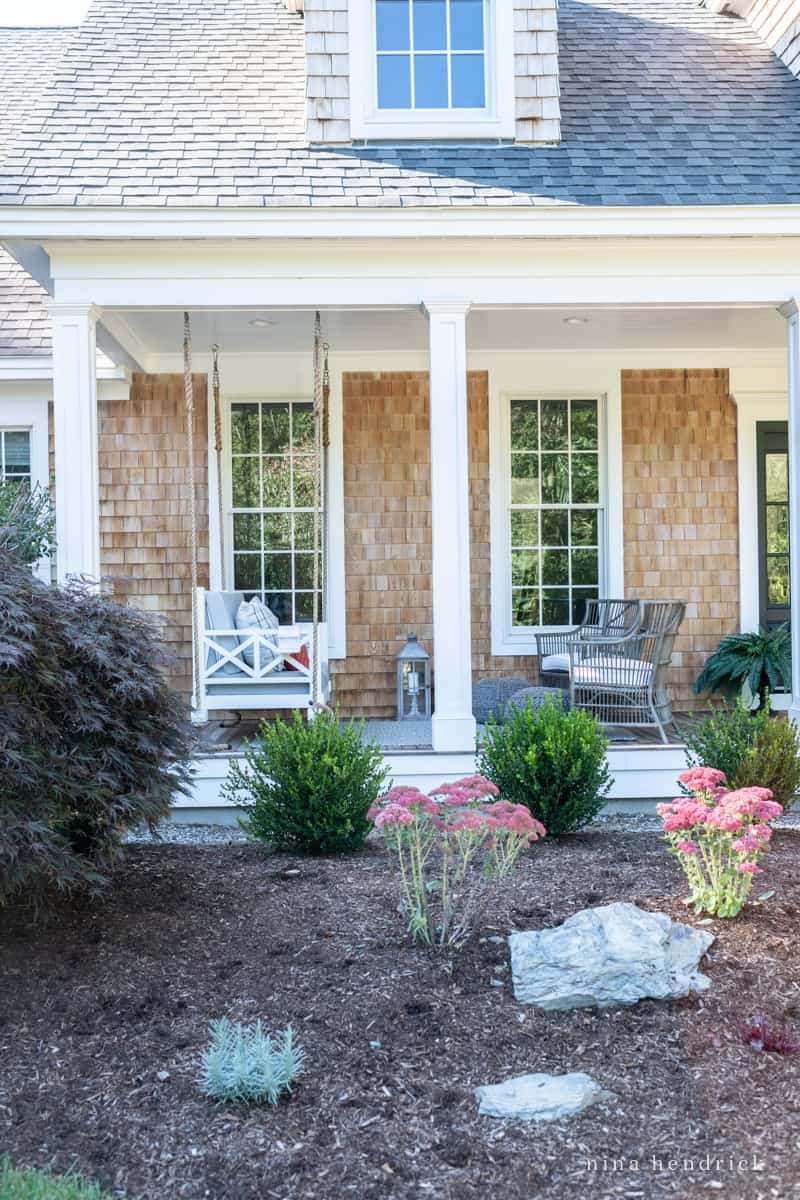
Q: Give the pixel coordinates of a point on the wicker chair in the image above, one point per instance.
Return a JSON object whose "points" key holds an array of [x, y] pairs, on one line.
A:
{"points": [[622, 681], [606, 620]]}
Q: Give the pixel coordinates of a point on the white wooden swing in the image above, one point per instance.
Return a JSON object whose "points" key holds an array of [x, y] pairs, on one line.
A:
{"points": [[244, 669]]}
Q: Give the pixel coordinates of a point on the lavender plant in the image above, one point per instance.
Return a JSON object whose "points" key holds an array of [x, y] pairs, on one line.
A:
{"points": [[246, 1065]]}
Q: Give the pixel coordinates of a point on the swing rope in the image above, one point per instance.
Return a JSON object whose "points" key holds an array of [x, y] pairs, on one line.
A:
{"points": [[218, 449], [188, 395]]}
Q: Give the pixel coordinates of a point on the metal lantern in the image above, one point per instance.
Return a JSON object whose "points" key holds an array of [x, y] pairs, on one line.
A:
{"points": [[413, 681]]}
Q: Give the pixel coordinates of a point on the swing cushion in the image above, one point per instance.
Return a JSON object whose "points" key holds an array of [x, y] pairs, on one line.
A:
{"points": [[221, 614], [254, 615]]}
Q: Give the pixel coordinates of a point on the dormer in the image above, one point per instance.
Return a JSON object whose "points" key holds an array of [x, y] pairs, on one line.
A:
{"points": [[431, 70]]}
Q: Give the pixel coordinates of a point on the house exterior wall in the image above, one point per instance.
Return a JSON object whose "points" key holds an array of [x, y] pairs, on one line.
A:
{"points": [[778, 23], [536, 76], [145, 543], [679, 457]]}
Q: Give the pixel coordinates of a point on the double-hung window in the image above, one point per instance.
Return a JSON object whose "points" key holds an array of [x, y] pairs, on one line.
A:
{"points": [[272, 494], [431, 68], [554, 516], [15, 455]]}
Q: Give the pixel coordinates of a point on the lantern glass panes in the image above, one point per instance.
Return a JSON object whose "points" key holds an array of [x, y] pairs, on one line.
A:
{"points": [[413, 681]]}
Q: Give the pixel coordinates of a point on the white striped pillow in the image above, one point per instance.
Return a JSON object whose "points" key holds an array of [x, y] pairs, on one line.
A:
{"points": [[254, 615]]}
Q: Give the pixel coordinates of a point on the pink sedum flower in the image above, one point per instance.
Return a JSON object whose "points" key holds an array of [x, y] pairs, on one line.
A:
{"points": [[394, 814], [702, 778], [687, 847], [749, 844], [748, 868]]}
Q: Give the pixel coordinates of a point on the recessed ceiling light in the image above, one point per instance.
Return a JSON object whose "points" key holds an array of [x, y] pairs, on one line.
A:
{"points": [[261, 323], [576, 320]]}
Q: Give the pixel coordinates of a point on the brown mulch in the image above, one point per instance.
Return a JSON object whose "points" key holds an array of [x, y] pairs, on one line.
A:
{"points": [[98, 998]]}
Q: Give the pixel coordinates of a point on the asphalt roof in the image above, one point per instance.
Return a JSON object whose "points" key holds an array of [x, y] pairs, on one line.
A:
{"points": [[201, 102]]}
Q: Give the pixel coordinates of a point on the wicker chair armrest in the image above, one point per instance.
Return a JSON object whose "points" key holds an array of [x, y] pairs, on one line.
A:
{"points": [[555, 643]]}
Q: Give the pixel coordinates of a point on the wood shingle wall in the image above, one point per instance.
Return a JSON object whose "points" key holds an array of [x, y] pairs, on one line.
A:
{"points": [[681, 506], [144, 505]]}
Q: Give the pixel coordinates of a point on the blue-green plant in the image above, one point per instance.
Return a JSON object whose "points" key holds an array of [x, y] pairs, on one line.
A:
{"points": [[245, 1065]]}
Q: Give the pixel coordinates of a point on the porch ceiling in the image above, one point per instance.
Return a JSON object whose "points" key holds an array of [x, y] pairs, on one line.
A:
{"points": [[569, 329]]}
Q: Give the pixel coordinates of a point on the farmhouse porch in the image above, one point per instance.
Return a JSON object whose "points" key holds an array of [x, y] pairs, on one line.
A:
{"points": [[440, 518]]}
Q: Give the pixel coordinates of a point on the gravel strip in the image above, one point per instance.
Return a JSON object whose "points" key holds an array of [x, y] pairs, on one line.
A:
{"points": [[189, 835]]}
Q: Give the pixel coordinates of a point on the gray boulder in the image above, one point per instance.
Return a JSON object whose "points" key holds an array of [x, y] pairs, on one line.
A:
{"points": [[616, 954], [540, 1097], [489, 696]]}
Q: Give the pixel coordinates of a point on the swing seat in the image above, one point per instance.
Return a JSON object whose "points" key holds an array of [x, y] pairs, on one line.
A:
{"points": [[275, 678]]}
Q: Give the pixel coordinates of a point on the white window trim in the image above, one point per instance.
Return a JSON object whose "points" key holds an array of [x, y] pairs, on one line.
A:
{"points": [[29, 413], [507, 639], [335, 583], [496, 120]]}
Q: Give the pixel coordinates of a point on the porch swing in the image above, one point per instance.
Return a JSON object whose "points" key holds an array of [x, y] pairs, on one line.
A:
{"points": [[236, 668]]}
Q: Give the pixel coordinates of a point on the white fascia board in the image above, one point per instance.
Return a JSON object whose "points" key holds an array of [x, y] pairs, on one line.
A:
{"points": [[40, 366], [546, 220]]}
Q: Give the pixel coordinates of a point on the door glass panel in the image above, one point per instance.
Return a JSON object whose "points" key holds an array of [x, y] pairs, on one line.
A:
{"points": [[777, 475]]}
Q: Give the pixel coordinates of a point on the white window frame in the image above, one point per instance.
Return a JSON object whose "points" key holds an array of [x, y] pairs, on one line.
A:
{"points": [[508, 639], [495, 120]]}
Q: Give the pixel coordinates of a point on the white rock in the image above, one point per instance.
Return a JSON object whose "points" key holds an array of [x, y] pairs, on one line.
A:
{"points": [[601, 957], [540, 1097]]}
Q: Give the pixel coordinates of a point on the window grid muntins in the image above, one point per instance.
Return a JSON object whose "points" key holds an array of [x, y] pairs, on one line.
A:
{"points": [[430, 54], [272, 490], [15, 455], [555, 515]]}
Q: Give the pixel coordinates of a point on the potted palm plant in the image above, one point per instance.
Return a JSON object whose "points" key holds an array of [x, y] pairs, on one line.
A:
{"points": [[760, 663]]}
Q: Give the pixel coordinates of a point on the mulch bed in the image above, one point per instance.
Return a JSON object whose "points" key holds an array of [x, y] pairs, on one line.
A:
{"points": [[99, 998]]}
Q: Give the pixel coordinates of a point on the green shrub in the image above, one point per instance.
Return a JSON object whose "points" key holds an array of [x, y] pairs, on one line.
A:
{"points": [[761, 660], [245, 1065], [308, 785], [753, 750], [27, 522], [39, 1185], [553, 762], [92, 739]]}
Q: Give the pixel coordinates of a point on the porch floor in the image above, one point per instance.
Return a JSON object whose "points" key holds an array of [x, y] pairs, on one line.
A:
{"points": [[413, 736]]}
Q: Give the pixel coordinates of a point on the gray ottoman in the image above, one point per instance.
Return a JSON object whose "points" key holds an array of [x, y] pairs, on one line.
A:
{"points": [[536, 696], [489, 696]]}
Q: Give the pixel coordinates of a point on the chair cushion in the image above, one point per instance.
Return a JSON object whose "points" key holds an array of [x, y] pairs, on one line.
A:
{"points": [[253, 615], [614, 672], [221, 614], [555, 662]]}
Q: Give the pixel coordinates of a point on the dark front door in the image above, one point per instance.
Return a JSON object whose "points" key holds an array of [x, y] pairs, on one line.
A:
{"points": [[773, 521]]}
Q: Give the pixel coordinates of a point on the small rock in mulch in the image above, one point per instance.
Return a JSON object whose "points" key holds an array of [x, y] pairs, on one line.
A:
{"points": [[540, 1097], [600, 957]]}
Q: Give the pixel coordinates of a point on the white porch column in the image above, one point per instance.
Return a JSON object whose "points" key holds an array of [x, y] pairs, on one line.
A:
{"points": [[453, 722], [75, 436], [792, 313]]}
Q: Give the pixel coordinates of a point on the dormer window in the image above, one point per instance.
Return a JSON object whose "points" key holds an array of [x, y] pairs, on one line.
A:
{"points": [[431, 69], [430, 54]]}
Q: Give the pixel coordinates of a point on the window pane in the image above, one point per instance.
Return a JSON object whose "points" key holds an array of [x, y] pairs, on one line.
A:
{"points": [[392, 24], [469, 88], [430, 25], [555, 528], [555, 426], [555, 608], [466, 24], [247, 572], [17, 452], [246, 531], [278, 572], [430, 81], [525, 607], [585, 479], [579, 598], [394, 81], [524, 479], [525, 529], [281, 604], [777, 529], [277, 531], [303, 606], [555, 567], [303, 427], [777, 468], [525, 568], [585, 567], [274, 428], [244, 428], [524, 425], [304, 531], [277, 483], [303, 482], [584, 528], [584, 425], [777, 580], [555, 478], [244, 472], [304, 571]]}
